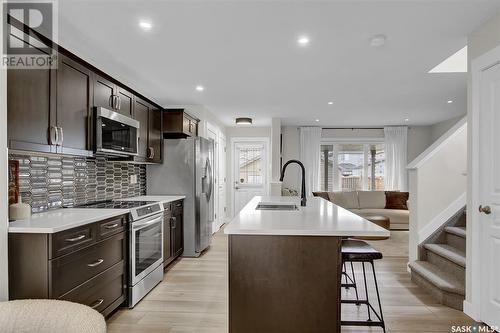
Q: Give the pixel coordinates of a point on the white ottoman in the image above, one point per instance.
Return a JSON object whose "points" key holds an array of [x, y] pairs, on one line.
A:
{"points": [[49, 316]]}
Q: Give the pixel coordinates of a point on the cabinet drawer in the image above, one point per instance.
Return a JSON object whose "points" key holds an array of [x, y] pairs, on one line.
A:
{"points": [[102, 290], [111, 226], [71, 240], [69, 271]]}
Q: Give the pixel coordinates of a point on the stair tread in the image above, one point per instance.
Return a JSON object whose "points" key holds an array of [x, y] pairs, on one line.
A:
{"points": [[438, 277], [449, 252], [457, 231]]}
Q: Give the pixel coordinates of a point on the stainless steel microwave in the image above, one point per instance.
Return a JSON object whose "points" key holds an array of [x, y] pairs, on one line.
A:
{"points": [[114, 133]]}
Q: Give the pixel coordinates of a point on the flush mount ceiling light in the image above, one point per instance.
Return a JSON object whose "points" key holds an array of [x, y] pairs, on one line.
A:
{"points": [[378, 40], [243, 121], [145, 25], [456, 63], [200, 88], [303, 40]]}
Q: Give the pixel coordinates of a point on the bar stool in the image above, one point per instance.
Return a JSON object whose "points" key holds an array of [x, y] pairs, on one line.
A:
{"points": [[360, 251]]}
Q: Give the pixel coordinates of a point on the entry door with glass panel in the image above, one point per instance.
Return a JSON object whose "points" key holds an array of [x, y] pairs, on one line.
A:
{"points": [[249, 174]]}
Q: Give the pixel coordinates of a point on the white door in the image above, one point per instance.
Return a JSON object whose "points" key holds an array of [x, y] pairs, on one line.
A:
{"points": [[489, 196], [249, 172], [222, 181], [212, 134]]}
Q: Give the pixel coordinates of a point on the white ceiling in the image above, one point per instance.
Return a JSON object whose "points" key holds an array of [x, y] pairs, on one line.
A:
{"points": [[245, 54]]}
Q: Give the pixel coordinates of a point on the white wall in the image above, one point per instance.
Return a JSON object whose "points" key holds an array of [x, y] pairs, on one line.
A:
{"points": [[484, 39], [437, 184], [440, 128], [3, 177], [419, 138]]}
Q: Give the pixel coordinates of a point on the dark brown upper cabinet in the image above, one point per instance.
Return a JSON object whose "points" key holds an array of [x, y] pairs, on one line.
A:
{"points": [[149, 117], [177, 123], [74, 107], [155, 135], [31, 109], [113, 97], [141, 111]]}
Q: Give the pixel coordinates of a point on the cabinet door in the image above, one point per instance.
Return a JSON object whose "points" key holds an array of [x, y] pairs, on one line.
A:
{"points": [[155, 136], [74, 106], [177, 229], [104, 93], [141, 113], [30, 108], [125, 103], [167, 240]]}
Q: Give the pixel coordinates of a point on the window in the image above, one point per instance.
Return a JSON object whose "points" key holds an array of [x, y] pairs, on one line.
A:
{"points": [[352, 166], [250, 165]]}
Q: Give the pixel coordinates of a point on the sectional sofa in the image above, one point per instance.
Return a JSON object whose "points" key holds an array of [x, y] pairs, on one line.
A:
{"points": [[388, 203]]}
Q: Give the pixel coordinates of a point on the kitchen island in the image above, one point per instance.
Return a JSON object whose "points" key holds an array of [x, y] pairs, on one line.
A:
{"points": [[285, 264]]}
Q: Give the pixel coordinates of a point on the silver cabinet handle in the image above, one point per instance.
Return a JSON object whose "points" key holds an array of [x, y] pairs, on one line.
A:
{"points": [[61, 136], [97, 263], [75, 239], [119, 102], [97, 303], [174, 222], [54, 135], [485, 209], [151, 152], [111, 226], [111, 101]]}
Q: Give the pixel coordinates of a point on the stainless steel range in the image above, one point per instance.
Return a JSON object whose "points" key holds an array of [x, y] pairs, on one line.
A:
{"points": [[145, 244]]}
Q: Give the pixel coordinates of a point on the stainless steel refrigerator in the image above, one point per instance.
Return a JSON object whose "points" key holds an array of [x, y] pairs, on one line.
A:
{"points": [[187, 170]]}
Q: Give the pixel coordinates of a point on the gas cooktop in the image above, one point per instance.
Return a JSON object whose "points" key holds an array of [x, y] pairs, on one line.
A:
{"points": [[112, 204]]}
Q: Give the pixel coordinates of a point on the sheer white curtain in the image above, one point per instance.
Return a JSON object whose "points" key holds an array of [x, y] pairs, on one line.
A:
{"points": [[395, 157], [310, 140]]}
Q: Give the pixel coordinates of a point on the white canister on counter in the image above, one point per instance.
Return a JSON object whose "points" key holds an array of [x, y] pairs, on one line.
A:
{"points": [[19, 210]]}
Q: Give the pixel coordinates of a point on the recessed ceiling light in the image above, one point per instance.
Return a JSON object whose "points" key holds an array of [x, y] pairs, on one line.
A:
{"points": [[200, 88], [243, 121], [378, 40], [449, 102], [407, 119], [145, 25], [330, 103], [456, 63], [316, 120], [303, 40]]}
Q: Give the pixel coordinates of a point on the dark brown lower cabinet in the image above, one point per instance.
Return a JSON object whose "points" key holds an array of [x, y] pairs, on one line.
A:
{"points": [[173, 232], [284, 283], [87, 265]]}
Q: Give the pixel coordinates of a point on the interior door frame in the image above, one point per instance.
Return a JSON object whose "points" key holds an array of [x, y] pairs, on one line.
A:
{"points": [[472, 303], [234, 141], [213, 130]]}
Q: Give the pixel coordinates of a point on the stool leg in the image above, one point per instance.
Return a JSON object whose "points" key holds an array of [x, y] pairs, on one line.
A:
{"points": [[354, 281], [366, 293], [378, 297], [344, 271]]}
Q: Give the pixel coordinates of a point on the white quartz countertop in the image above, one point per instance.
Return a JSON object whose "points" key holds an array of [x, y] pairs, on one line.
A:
{"points": [[66, 218], [160, 198], [62, 219], [319, 218]]}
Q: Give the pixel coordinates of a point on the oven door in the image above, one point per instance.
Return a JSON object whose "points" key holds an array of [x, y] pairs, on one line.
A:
{"points": [[146, 248]]}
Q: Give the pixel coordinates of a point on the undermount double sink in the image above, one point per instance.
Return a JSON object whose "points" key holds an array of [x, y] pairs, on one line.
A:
{"points": [[276, 206]]}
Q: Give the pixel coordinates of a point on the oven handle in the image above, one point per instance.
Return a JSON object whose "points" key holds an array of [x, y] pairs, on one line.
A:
{"points": [[142, 225]]}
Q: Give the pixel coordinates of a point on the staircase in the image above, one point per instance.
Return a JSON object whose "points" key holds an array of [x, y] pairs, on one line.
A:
{"points": [[440, 269]]}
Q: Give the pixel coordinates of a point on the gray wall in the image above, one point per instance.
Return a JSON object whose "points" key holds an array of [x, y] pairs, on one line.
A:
{"points": [[440, 128]]}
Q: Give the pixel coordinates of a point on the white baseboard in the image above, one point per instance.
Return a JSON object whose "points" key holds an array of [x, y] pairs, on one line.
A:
{"points": [[442, 217], [472, 311]]}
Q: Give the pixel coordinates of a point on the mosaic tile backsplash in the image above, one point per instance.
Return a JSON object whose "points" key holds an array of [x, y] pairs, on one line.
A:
{"points": [[48, 182]]}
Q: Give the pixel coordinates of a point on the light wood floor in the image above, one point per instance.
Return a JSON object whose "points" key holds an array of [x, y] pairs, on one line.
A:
{"points": [[193, 297]]}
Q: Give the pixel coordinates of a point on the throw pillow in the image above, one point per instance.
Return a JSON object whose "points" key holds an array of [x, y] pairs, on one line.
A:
{"points": [[396, 200]]}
